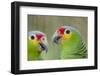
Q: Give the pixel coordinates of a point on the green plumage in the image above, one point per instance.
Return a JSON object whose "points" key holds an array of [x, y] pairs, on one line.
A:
{"points": [[33, 51], [36, 45], [75, 47], [74, 51]]}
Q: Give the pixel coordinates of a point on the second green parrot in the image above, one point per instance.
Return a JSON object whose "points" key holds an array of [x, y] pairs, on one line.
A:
{"points": [[37, 43], [72, 44]]}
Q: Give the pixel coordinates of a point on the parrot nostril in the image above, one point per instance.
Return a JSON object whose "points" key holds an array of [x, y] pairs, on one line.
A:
{"points": [[43, 39]]}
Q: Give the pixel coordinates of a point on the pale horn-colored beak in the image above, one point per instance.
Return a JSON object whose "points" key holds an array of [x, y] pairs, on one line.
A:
{"points": [[56, 38], [43, 47]]}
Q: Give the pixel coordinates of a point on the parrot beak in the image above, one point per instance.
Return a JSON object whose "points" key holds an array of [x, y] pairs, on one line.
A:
{"points": [[56, 39], [43, 47]]}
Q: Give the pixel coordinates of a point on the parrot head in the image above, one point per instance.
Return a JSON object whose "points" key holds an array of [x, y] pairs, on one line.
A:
{"points": [[38, 39], [66, 35]]}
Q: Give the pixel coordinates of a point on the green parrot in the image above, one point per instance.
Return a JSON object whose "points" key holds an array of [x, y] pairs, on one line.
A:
{"points": [[72, 44], [37, 43]]}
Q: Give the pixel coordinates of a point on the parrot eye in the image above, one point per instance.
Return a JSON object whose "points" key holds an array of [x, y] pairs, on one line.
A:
{"points": [[67, 31], [32, 37]]}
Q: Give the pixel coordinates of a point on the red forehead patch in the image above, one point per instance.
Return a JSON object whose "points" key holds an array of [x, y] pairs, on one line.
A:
{"points": [[39, 36], [61, 30]]}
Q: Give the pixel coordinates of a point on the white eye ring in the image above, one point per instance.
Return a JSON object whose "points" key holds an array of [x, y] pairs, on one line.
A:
{"points": [[32, 37], [67, 31]]}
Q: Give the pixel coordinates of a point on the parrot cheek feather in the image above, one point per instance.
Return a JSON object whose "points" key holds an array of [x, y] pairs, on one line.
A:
{"points": [[66, 37]]}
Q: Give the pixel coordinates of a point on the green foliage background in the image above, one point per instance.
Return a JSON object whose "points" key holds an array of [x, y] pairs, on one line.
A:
{"points": [[49, 24]]}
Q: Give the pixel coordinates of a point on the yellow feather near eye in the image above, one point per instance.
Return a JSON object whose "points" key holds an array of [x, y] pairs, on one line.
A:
{"points": [[66, 36], [35, 42]]}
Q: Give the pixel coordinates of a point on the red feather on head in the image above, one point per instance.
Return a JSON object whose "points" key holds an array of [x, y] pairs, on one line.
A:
{"points": [[61, 30], [39, 36]]}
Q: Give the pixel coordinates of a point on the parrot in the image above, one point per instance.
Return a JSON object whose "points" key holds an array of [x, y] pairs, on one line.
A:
{"points": [[72, 44], [37, 43]]}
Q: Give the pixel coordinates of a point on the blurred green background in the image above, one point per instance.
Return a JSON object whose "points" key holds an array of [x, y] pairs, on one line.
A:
{"points": [[49, 24]]}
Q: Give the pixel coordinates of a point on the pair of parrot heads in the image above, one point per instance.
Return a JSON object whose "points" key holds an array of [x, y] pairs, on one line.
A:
{"points": [[68, 34]]}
